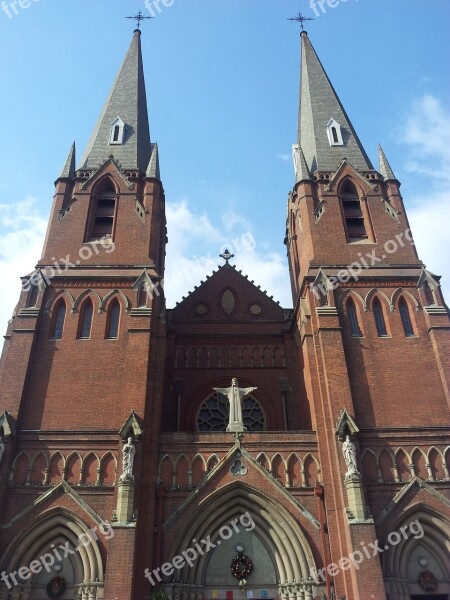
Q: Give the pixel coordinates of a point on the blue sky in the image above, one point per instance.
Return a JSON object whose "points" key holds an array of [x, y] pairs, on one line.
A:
{"points": [[222, 84]]}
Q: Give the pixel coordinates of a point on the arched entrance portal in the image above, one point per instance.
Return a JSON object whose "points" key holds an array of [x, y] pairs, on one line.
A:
{"points": [[62, 560], [418, 568], [241, 519]]}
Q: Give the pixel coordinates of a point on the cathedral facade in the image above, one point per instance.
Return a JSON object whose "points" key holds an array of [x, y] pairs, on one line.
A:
{"points": [[227, 448]]}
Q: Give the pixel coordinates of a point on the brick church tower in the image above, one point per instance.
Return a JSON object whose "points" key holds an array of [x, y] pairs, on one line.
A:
{"points": [[83, 362], [226, 448]]}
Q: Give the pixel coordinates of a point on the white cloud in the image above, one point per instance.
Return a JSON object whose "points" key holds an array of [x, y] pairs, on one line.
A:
{"points": [[23, 230], [231, 219], [428, 219], [185, 225], [189, 257], [189, 262], [283, 156], [270, 271], [426, 131]]}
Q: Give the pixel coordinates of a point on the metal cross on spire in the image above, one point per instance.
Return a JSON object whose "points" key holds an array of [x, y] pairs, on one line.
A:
{"points": [[226, 255], [300, 19], [138, 18]]}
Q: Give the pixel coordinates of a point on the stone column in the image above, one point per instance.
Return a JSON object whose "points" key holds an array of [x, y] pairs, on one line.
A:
{"points": [[92, 593], [309, 590], [284, 591], [355, 496], [447, 474], [125, 501], [17, 592]]}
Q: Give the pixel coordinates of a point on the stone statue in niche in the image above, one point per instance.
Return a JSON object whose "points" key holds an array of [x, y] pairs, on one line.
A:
{"points": [[128, 452], [235, 396], [349, 452]]}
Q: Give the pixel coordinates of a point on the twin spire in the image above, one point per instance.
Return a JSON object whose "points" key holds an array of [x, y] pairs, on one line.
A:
{"points": [[325, 133], [126, 105]]}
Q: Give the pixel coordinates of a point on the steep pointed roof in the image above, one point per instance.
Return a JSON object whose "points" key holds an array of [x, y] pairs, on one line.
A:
{"points": [[384, 167], [318, 104], [153, 165], [127, 101], [68, 170], [211, 293], [301, 168]]}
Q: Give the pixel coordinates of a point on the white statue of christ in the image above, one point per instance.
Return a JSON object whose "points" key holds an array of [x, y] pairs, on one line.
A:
{"points": [[235, 395]]}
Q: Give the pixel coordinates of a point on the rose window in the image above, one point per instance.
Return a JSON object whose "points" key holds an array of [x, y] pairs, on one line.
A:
{"points": [[214, 414]]}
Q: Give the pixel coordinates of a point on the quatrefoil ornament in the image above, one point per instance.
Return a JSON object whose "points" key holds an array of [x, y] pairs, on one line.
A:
{"points": [[238, 468]]}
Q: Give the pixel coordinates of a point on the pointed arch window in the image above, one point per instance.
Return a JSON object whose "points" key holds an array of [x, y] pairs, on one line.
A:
{"points": [[334, 133], [142, 296], [103, 214], [113, 320], [428, 293], [32, 296], [323, 298], [353, 318], [352, 212], [117, 132], [379, 318], [406, 319], [85, 323], [320, 291], [58, 320]]}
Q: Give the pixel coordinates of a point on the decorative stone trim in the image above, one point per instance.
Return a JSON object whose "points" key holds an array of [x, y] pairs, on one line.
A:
{"points": [[31, 312], [327, 311], [141, 312], [433, 310]]}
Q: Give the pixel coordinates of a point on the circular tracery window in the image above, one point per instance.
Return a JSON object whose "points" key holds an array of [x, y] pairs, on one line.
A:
{"points": [[214, 414]]}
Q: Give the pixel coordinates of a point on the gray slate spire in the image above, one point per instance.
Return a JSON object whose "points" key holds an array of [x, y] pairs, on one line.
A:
{"points": [[153, 165], [301, 168], [69, 166], [128, 101], [384, 167], [318, 104]]}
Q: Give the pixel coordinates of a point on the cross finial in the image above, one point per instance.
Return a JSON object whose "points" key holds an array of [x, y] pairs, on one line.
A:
{"points": [[138, 18], [300, 19], [226, 255]]}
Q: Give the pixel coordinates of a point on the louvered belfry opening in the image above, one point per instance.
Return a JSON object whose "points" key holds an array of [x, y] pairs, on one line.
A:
{"points": [[102, 224], [353, 214]]}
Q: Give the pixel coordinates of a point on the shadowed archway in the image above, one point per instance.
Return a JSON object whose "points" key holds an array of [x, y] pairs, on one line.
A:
{"points": [[239, 513], [60, 545]]}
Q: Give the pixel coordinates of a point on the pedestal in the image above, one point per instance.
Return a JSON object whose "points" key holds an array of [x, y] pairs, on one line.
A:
{"points": [[125, 501], [355, 497]]}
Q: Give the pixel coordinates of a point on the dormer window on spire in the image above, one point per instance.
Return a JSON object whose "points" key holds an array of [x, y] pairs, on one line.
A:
{"points": [[334, 133], [117, 132]]}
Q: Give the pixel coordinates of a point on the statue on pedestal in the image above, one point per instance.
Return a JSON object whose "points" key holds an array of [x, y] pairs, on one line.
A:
{"points": [[349, 452], [235, 395], [128, 452]]}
